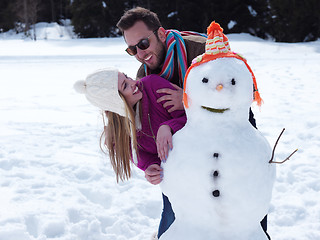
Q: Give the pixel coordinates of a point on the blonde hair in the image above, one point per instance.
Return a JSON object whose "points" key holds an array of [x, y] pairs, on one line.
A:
{"points": [[117, 137]]}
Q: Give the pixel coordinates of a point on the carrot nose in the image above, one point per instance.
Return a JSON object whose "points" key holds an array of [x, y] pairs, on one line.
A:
{"points": [[219, 87]]}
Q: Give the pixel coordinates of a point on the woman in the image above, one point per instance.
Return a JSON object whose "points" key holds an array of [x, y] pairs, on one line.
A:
{"points": [[138, 127]]}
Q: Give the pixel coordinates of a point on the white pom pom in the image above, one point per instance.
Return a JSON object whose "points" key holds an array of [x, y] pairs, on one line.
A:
{"points": [[80, 86]]}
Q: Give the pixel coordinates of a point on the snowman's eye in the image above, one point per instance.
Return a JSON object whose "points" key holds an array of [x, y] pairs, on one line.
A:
{"points": [[205, 80], [233, 82]]}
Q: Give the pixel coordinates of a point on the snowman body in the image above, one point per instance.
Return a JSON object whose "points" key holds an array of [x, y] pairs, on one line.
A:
{"points": [[218, 177]]}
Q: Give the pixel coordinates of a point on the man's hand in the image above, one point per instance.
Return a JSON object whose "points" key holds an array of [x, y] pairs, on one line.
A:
{"points": [[154, 174], [164, 141], [173, 98]]}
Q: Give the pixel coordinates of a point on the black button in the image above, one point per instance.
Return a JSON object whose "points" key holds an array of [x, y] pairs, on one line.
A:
{"points": [[216, 193], [216, 155], [215, 173]]}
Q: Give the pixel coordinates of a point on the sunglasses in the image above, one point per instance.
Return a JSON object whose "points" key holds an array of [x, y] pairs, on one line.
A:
{"points": [[143, 44]]}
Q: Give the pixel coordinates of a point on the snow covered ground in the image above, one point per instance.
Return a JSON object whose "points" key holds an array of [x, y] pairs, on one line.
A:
{"points": [[56, 184]]}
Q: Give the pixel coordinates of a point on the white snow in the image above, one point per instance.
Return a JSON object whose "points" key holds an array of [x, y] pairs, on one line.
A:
{"points": [[252, 11], [231, 24], [56, 184]]}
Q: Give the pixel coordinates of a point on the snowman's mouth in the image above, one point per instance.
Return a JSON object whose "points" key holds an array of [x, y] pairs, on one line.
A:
{"points": [[216, 110]]}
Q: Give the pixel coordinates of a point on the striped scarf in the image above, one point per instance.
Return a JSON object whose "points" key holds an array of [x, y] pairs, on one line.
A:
{"points": [[175, 45]]}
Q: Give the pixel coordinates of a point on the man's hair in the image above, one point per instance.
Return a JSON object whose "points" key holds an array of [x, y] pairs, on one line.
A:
{"points": [[130, 17]]}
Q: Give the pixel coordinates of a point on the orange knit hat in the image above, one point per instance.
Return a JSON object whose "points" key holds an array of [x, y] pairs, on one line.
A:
{"points": [[217, 46]]}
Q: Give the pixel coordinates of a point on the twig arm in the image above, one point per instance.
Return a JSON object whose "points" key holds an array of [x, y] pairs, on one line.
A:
{"points": [[274, 148], [286, 158], [275, 145]]}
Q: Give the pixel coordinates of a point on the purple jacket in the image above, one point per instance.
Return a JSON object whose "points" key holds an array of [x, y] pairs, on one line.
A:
{"points": [[153, 115]]}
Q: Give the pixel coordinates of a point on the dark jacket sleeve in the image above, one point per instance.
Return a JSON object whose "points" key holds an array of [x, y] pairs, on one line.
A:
{"points": [[195, 46], [252, 120], [141, 73]]}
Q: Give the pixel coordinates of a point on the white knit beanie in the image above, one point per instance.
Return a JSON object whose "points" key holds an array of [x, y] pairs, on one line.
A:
{"points": [[101, 89]]}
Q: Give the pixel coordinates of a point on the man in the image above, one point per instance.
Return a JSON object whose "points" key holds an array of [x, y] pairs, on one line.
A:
{"points": [[146, 40], [168, 54]]}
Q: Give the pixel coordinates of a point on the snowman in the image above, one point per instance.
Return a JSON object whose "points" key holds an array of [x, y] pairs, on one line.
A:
{"points": [[218, 177]]}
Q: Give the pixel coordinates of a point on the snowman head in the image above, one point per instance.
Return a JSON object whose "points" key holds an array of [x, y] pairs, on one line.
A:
{"points": [[220, 86], [219, 80]]}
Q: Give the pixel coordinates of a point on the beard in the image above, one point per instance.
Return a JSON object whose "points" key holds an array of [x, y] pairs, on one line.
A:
{"points": [[160, 55]]}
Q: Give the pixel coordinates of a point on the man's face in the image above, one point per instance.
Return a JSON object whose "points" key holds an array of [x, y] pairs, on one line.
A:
{"points": [[154, 55]]}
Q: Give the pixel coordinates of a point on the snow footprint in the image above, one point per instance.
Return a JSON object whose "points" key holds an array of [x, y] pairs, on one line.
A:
{"points": [[32, 225], [288, 215], [54, 229], [78, 217], [95, 196], [39, 228]]}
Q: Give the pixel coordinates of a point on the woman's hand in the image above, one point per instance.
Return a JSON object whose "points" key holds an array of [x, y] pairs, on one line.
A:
{"points": [[164, 142], [154, 174]]}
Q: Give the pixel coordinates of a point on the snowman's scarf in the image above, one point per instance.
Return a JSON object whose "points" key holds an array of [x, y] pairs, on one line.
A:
{"points": [[175, 46]]}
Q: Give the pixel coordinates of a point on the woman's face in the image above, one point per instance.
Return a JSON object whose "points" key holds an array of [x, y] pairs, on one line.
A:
{"points": [[129, 89]]}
